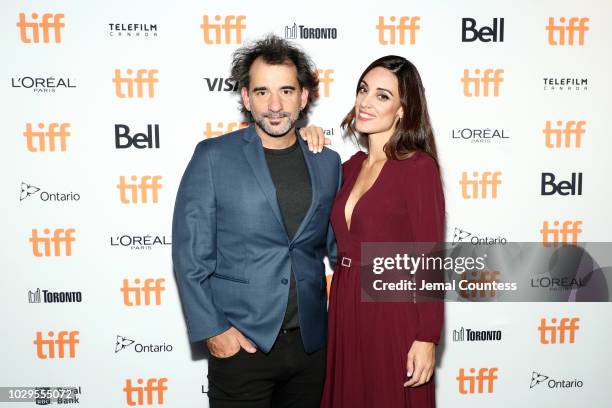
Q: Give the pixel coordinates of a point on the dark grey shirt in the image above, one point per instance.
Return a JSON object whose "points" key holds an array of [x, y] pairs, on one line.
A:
{"points": [[294, 194]]}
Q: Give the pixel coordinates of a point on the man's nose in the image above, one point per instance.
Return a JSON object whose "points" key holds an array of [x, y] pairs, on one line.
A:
{"points": [[275, 104]]}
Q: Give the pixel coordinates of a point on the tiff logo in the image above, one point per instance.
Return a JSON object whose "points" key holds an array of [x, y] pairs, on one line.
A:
{"points": [[231, 24], [135, 394], [564, 135], [325, 78], [472, 383], [223, 128], [488, 185], [49, 21], [140, 294], [61, 238], [490, 78], [147, 183], [56, 348], [405, 24], [565, 34], [555, 333], [569, 230], [124, 86], [41, 141]]}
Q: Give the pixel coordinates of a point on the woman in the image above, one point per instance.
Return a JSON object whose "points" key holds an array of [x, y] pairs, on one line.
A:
{"points": [[383, 354]]}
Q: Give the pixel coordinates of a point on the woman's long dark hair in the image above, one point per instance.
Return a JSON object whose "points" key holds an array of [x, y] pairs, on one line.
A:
{"points": [[413, 132]]}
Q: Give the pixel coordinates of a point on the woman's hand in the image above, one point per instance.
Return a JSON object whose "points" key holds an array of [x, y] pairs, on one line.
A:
{"points": [[421, 363], [315, 137]]}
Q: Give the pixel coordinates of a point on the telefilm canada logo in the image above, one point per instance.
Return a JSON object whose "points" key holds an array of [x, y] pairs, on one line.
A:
{"points": [[462, 236], [302, 32], [126, 343], [132, 30], [39, 84], [565, 84], [29, 190], [140, 242]]}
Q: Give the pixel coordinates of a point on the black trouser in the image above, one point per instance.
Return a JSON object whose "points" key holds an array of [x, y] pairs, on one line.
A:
{"points": [[284, 377]]}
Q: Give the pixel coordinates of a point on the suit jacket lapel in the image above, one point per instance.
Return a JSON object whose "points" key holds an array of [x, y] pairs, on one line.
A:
{"points": [[311, 166]]}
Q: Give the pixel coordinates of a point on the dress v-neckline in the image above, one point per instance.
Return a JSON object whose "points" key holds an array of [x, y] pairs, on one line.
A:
{"points": [[356, 176]]}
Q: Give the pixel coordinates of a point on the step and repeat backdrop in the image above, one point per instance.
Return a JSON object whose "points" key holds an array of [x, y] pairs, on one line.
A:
{"points": [[103, 104]]}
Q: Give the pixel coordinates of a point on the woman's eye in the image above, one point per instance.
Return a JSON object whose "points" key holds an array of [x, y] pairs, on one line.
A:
{"points": [[383, 97], [362, 89]]}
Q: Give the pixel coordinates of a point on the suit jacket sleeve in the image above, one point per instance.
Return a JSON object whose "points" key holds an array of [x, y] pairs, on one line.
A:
{"points": [[427, 221], [332, 248], [194, 247]]}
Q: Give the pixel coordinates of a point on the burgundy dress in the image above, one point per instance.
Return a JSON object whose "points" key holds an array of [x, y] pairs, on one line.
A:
{"points": [[368, 342]]}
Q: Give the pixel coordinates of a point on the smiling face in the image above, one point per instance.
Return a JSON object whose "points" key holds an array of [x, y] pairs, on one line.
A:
{"points": [[377, 105], [274, 97]]}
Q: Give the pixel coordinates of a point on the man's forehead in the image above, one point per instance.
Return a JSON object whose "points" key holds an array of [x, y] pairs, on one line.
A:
{"points": [[263, 71]]}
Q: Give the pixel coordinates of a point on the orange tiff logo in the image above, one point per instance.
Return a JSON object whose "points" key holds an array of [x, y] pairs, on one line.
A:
{"points": [[488, 183], [482, 84], [405, 24], [146, 184], [61, 238], [56, 347], [42, 141], [29, 31], [570, 230], [135, 394], [140, 294], [555, 333], [223, 128], [567, 31], [564, 135], [325, 78], [231, 24], [124, 86], [473, 383]]}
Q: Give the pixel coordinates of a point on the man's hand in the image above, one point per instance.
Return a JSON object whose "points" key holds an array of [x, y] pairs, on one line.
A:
{"points": [[228, 343], [421, 363], [315, 137]]}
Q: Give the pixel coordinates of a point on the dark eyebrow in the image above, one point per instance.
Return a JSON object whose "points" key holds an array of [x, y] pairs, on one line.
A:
{"points": [[380, 89], [260, 88], [290, 87]]}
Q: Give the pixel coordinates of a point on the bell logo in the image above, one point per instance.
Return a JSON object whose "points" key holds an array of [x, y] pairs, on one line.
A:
{"points": [[475, 383], [564, 135], [124, 86], [41, 141], [61, 237], [565, 33], [146, 184], [325, 78], [140, 294], [555, 333], [56, 348], [570, 229], [490, 78], [405, 24], [49, 21], [470, 190], [135, 394], [212, 31], [222, 128]]}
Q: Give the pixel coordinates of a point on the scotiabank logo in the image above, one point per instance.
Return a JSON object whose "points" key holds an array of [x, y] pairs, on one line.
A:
{"points": [[124, 140], [139, 191], [51, 137], [56, 345], [480, 383], [145, 292], [149, 394], [143, 80], [568, 134], [223, 30], [551, 186], [325, 79], [558, 331], [480, 185], [395, 33], [567, 31], [493, 33], [566, 231], [482, 83], [222, 128], [52, 243], [48, 27]]}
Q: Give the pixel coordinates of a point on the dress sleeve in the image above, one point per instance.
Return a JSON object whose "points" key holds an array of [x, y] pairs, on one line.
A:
{"points": [[427, 219]]}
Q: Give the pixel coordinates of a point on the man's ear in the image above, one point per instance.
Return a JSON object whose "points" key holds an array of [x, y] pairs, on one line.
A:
{"points": [[304, 97], [244, 92]]}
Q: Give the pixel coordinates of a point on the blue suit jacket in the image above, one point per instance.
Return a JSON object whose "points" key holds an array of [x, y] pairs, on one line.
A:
{"points": [[232, 257]]}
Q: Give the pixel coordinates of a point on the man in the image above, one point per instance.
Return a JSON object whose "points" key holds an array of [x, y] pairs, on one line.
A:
{"points": [[250, 230]]}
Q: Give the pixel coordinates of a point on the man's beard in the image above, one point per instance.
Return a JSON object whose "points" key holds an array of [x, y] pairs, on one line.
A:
{"points": [[275, 131]]}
